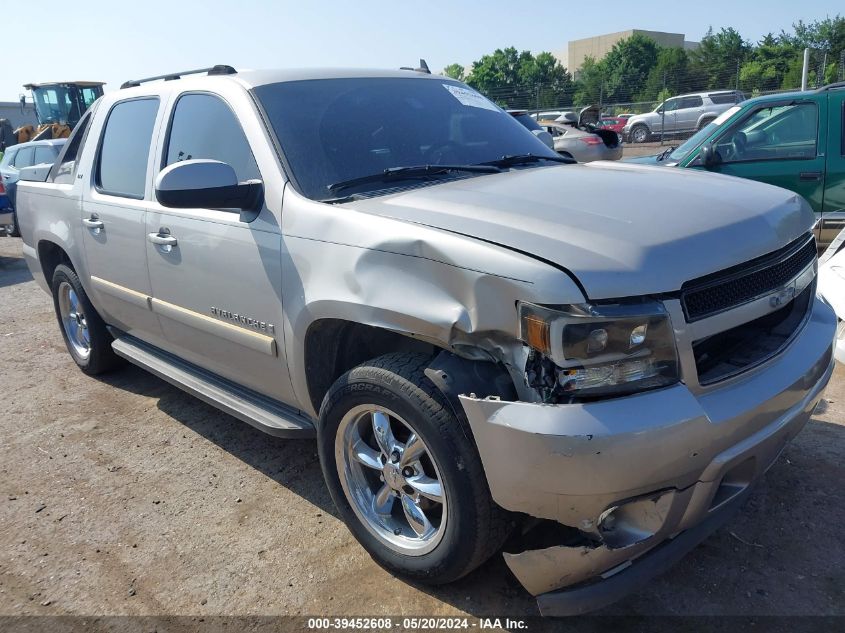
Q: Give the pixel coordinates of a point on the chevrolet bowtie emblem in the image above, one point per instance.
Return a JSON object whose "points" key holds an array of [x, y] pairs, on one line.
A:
{"points": [[782, 297]]}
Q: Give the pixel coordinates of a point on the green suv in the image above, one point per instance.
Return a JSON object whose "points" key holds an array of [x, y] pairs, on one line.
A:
{"points": [[794, 140]]}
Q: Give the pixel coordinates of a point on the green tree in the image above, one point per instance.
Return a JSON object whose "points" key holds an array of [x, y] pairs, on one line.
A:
{"points": [[455, 71], [590, 85], [671, 72], [521, 80], [551, 82], [719, 57], [827, 34], [626, 68], [768, 64]]}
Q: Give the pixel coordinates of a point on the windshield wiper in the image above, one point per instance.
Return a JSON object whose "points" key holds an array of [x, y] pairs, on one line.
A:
{"points": [[411, 171], [665, 153], [510, 160]]}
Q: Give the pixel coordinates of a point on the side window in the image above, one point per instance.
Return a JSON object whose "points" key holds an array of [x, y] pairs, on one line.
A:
{"points": [[778, 132], [44, 154], [204, 126], [724, 97], [692, 102], [671, 105], [65, 168], [125, 148], [24, 157]]}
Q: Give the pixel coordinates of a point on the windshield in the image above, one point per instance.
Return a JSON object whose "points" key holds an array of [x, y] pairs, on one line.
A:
{"points": [[335, 130], [681, 152]]}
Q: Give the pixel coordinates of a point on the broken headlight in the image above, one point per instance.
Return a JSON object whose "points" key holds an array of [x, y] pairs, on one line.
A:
{"points": [[600, 350]]}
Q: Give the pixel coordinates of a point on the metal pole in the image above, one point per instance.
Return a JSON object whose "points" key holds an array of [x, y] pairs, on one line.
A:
{"points": [[663, 114], [820, 78], [805, 70]]}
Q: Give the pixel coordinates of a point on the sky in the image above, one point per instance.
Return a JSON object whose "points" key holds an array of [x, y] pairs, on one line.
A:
{"points": [[115, 41]]}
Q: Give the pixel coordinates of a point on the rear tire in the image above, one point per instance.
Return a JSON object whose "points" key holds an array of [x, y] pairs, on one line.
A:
{"points": [[466, 526], [704, 123], [87, 339], [13, 230]]}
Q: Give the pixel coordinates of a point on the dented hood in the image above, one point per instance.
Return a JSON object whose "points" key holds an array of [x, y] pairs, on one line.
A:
{"points": [[620, 229]]}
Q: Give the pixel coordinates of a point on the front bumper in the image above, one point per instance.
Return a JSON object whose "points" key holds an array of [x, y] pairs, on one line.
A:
{"points": [[660, 464]]}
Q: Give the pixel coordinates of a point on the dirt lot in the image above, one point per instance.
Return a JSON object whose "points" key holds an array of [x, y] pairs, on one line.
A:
{"points": [[122, 495], [629, 150]]}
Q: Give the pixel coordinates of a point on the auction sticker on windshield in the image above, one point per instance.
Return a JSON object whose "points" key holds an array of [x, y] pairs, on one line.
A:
{"points": [[470, 97]]}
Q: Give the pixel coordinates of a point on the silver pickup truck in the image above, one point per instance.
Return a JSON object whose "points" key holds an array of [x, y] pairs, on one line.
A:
{"points": [[488, 342]]}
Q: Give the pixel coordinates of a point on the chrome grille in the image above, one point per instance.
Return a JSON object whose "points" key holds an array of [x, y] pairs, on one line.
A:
{"points": [[729, 288]]}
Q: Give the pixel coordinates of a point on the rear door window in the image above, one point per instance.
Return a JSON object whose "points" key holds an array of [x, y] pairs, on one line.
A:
{"points": [[125, 148], [691, 102], [24, 157], [44, 154], [724, 97], [204, 126]]}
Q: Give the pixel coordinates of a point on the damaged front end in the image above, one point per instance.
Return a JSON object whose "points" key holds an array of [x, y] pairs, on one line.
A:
{"points": [[617, 443]]}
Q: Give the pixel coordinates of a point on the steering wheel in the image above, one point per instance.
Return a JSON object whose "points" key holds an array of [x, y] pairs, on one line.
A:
{"points": [[739, 143], [443, 154]]}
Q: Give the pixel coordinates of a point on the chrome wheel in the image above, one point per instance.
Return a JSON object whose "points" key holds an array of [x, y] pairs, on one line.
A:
{"points": [[639, 134], [391, 480], [74, 321]]}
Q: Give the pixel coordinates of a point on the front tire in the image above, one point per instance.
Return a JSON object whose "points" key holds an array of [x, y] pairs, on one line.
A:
{"points": [[404, 473], [85, 333], [639, 134]]}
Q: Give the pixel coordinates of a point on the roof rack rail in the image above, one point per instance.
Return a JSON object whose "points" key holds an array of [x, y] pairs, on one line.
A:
{"points": [[219, 69]]}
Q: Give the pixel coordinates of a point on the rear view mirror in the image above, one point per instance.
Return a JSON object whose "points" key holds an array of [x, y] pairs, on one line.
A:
{"points": [[207, 184]]}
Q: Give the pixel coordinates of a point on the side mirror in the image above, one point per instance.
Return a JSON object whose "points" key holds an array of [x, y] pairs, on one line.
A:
{"points": [[207, 184], [708, 156], [35, 173]]}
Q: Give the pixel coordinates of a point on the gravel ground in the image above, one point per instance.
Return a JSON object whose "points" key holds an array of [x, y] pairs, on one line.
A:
{"points": [[123, 495]]}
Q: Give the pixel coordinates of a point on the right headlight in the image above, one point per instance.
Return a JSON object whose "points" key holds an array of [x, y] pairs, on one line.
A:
{"points": [[606, 350]]}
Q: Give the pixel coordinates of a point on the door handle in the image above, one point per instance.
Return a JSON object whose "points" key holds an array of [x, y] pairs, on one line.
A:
{"points": [[93, 223], [810, 175], [162, 239]]}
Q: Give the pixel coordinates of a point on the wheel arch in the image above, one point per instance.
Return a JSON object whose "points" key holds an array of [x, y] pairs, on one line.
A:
{"points": [[332, 346], [50, 255]]}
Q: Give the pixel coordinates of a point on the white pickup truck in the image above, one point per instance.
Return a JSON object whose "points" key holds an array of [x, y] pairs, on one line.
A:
{"points": [[480, 334]]}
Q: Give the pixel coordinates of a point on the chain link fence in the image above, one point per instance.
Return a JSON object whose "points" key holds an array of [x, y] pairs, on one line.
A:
{"points": [[746, 80]]}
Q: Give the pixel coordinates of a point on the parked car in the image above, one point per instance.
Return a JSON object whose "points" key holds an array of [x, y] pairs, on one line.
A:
{"points": [[792, 140], [7, 217], [680, 115], [580, 138], [481, 338], [615, 123], [831, 286], [531, 124], [16, 158]]}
